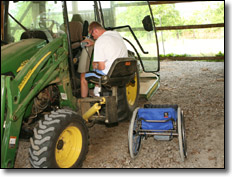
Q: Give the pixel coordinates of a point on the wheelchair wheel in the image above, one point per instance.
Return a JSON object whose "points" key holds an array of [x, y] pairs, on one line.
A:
{"points": [[181, 135], [134, 139]]}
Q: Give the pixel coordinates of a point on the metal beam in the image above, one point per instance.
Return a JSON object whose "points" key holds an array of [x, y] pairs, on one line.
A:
{"points": [[191, 26], [167, 2], [218, 25]]}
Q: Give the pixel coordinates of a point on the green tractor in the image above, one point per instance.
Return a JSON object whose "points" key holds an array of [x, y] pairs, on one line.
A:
{"points": [[40, 84]]}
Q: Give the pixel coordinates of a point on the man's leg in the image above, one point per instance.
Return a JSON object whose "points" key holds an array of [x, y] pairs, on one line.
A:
{"points": [[84, 82], [84, 86]]}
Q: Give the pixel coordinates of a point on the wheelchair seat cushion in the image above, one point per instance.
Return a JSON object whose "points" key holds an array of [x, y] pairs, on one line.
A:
{"points": [[158, 114]]}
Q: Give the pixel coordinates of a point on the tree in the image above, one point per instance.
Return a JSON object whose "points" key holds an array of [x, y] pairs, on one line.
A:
{"points": [[167, 14], [215, 15], [133, 15]]}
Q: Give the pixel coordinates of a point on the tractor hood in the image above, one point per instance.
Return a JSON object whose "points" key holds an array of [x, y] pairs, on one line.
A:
{"points": [[13, 55]]}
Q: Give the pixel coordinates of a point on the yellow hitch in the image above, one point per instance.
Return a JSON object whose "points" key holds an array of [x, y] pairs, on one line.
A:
{"points": [[95, 108]]}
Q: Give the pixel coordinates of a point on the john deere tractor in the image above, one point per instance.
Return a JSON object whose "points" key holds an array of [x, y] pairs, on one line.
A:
{"points": [[41, 60]]}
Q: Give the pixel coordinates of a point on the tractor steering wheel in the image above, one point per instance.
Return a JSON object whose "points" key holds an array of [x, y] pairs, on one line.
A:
{"points": [[49, 26], [42, 24]]}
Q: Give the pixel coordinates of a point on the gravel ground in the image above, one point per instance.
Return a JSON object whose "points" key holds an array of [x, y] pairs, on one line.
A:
{"points": [[198, 88]]}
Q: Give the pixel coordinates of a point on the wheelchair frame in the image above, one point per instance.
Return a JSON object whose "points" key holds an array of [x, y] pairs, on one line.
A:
{"points": [[136, 133]]}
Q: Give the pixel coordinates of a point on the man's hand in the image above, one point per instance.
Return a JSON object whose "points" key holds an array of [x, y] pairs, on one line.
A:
{"points": [[89, 41], [95, 65], [99, 65]]}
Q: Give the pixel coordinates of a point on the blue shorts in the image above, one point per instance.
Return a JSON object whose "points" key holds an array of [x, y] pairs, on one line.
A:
{"points": [[93, 74]]}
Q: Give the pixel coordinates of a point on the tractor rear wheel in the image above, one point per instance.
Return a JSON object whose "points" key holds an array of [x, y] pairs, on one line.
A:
{"points": [[128, 97], [60, 141]]}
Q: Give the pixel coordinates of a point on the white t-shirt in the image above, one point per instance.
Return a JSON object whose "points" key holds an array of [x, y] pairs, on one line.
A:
{"points": [[108, 47]]}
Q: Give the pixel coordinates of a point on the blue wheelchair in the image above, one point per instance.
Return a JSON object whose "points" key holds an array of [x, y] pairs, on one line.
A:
{"points": [[162, 122]]}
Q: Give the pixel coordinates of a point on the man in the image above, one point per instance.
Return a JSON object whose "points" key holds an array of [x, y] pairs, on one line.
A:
{"points": [[108, 46]]}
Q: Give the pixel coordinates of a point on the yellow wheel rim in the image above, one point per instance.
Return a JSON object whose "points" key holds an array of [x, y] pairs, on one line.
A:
{"points": [[68, 147], [131, 91]]}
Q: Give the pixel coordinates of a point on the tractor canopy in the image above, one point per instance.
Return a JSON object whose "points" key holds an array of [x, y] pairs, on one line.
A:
{"points": [[46, 20], [134, 20]]}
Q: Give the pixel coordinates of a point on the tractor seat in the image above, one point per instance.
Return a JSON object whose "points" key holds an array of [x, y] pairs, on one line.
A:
{"points": [[121, 72], [76, 33], [40, 34], [76, 30]]}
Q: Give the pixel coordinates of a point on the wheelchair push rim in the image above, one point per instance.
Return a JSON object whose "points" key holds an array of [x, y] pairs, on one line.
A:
{"points": [[134, 139], [181, 135]]}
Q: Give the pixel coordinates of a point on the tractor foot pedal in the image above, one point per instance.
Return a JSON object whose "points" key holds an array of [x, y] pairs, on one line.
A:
{"points": [[112, 125]]}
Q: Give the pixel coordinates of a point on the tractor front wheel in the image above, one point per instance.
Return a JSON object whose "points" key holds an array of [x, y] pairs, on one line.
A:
{"points": [[60, 141]]}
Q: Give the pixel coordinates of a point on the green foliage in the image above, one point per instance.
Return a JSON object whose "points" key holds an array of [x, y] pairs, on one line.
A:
{"points": [[133, 16], [166, 15], [18, 11], [214, 13], [219, 54]]}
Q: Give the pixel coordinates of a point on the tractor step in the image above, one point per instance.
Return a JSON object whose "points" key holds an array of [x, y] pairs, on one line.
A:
{"points": [[149, 83]]}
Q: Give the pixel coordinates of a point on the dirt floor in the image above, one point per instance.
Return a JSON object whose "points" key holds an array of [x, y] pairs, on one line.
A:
{"points": [[198, 88]]}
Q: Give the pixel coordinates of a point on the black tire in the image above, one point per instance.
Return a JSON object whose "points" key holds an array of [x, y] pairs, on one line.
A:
{"points": [[134, 139], [127, 98], [55, 138], [181, 135]]}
